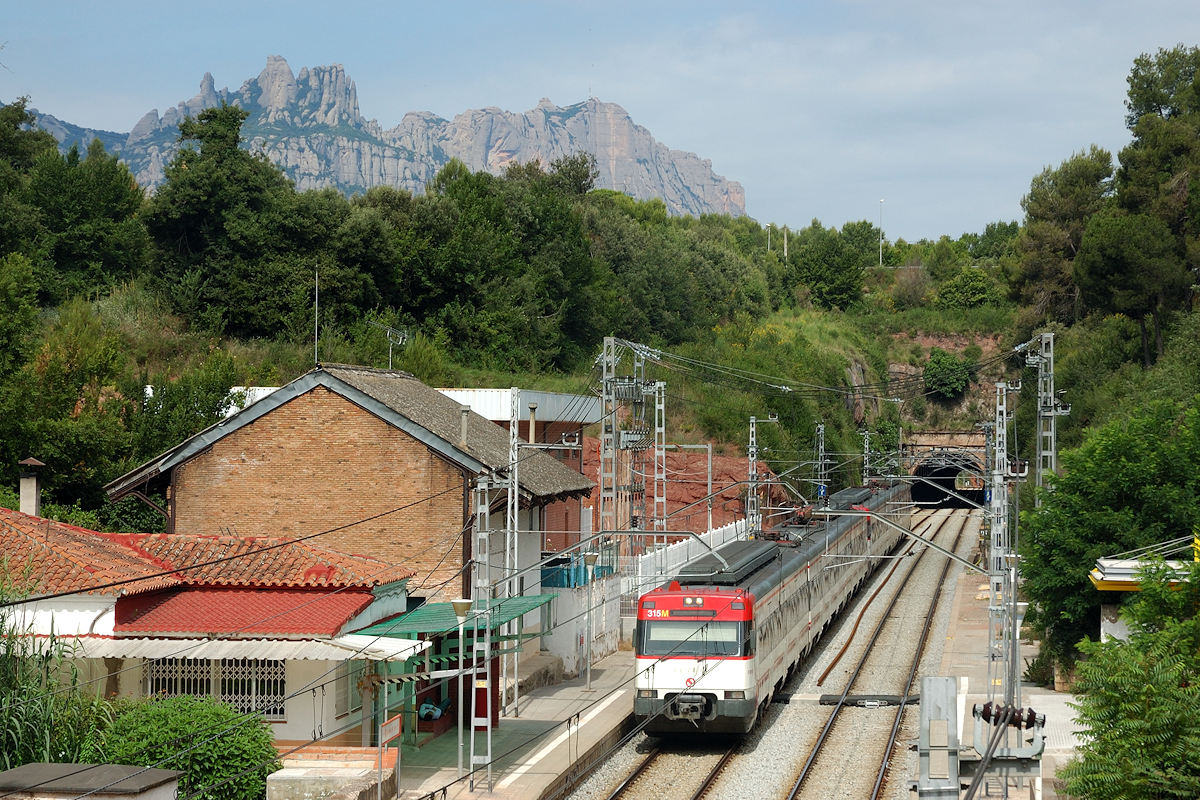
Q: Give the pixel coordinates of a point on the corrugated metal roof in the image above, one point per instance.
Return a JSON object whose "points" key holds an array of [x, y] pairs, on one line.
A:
{"points": [[339, 648], [439, 617]]}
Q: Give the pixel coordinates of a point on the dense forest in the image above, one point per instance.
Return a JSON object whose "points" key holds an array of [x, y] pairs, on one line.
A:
{"points": [[209, 283]]}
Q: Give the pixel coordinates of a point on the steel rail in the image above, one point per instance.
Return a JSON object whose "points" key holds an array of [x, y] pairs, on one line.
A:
{"points": [[714, 772], [624, 785], [841, 703], [881, 776]]}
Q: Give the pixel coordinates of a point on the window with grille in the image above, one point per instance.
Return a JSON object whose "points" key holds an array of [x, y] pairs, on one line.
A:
{"points": [[175, 676], [253, 684], [247, 684]]}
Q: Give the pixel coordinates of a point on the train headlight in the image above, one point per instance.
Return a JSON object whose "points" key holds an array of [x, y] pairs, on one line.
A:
{"points": [[735, 695], [647, 693]]}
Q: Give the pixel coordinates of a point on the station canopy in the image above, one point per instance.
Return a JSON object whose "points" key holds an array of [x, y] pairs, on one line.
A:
{"points": [[437, 618]]}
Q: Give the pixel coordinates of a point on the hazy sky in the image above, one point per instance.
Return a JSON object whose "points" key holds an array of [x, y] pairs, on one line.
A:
{"points": [[945, 110]]}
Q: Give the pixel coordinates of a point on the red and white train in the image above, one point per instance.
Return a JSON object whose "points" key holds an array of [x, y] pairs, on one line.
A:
{"points": [[714, 644]]}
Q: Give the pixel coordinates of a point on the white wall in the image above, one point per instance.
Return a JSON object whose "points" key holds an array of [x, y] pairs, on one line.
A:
{"points": [[67, 616], [568, 640]]}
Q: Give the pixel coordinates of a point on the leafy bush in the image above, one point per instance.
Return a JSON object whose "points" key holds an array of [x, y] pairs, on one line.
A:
{"points": [[946, 375], [968, 288], [224, 755]]}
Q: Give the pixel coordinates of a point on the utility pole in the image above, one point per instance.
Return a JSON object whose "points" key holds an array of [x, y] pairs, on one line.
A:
{"points": [[1049, 409], [608, 437], [481, 612], [822, 466], [753, 517], [866, 435]]}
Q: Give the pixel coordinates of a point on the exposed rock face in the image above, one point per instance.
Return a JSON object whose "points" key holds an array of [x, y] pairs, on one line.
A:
{"points": [[309, 124]]}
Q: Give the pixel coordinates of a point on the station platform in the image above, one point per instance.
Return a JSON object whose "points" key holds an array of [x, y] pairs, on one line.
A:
{"points": [[557, 730], [965, 656]]}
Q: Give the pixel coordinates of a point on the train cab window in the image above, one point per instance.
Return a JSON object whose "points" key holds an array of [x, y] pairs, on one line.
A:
{"points": [[691, 638]]}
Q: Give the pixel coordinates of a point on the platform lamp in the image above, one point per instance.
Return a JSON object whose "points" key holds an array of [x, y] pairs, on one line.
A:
{"points": [[590, 560], [462, 607]]}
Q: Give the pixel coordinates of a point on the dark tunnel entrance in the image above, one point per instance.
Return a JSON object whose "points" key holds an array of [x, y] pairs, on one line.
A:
{"points": [[949, 470]]}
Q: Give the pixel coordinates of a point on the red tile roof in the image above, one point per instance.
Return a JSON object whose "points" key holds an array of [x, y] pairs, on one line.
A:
{"points": [[258, 561], [208, 611], [46, 557]]}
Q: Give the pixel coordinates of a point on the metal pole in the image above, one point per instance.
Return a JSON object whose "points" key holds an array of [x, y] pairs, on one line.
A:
{"points": [[462, 607], [590, 560], [461, 643], [881, 233]]}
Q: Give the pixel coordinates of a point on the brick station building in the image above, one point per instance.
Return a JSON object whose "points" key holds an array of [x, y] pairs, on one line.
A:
{"points": [[364, 461]]}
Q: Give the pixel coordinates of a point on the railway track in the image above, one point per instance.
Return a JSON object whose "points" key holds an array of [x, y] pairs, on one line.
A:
{"points": [[666, 775], [860, 747], [855, 749]]}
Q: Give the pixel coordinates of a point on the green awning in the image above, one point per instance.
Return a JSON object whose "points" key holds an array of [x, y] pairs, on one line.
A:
{"points": [[435, 618]]}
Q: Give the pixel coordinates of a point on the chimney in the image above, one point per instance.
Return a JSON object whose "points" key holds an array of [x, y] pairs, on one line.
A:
{"points": [[533, 423], [462, 431], [31, 487]]}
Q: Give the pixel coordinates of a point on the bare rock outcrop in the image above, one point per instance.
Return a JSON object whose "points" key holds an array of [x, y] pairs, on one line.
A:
{"points": [[310, 125]]}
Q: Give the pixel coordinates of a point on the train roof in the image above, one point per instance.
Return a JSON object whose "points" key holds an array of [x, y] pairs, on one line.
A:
{"points": [[742, 557]]}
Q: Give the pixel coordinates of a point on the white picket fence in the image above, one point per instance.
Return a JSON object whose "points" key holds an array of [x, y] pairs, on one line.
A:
{"points": [[639, 574]]}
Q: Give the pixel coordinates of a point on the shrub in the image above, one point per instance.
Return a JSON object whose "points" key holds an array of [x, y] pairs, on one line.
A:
{"points": [[224, 755], [968, 288], [946, 375]]}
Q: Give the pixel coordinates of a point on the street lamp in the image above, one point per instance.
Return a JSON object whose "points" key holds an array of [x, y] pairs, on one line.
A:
{"points": [[461, 608], [590, 560], [881, 233]]}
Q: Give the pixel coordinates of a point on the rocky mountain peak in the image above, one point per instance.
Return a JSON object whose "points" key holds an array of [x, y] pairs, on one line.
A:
{"points": [[310, 125]]}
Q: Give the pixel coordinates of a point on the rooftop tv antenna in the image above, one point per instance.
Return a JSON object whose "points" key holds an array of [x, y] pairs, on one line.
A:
{"points": [[394, 336]]}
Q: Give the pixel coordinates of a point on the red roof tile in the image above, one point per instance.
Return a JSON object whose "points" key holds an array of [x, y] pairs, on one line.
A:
{"points": [[259, 561], [205, 611], [42, 556]]}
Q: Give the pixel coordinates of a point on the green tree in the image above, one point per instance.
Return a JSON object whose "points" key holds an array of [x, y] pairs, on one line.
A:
{"points": [[1134, 482], [92, 236], [72, 416], [1137, 698], [176, 409], [946, 375], [944, 259], [221, 221], [1057, 208], [829, 267], [864, 238], [1158, 168], [1127, 264], [20, 146], [1163, 84], [223, 755]]}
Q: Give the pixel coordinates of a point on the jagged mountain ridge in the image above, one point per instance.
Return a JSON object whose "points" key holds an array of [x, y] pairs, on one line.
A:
{"points": [[310, 125]]}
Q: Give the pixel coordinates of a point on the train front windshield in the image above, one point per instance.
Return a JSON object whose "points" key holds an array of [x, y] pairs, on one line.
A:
{"points": [[692, 638]]}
